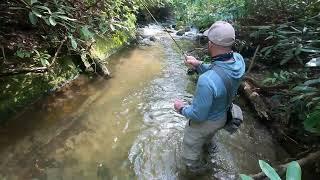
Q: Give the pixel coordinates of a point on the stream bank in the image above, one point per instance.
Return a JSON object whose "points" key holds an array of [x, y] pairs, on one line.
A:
{"points": [[21, 90]]}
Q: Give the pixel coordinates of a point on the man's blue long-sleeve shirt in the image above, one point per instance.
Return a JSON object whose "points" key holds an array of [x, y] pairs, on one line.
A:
{"points": [[210, 99]]}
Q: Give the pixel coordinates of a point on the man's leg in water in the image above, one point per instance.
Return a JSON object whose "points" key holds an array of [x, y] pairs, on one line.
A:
{"points": [[195, 136]]}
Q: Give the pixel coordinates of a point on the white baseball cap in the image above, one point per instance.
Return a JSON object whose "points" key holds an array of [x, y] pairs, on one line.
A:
{"points": [[221, 33]]}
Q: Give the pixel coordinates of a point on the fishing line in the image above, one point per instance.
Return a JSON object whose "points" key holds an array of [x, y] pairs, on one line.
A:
{"points": [[165, 29], [190, 71]]}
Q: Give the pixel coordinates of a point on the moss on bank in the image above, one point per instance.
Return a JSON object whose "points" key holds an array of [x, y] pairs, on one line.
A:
{"points": [[20, 90], [23, 89]]}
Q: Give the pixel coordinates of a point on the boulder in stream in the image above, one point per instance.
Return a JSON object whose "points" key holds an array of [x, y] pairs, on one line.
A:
{"points": [[180, 32], [153, 38]]}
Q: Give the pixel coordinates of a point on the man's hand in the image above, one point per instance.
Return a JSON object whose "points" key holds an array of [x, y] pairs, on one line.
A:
{"points": [[178, 105], [192, 61]]}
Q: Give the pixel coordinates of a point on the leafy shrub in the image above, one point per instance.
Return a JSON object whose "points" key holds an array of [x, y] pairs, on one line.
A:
{"points": [[309, 94], [203, 13], [293, 171]]}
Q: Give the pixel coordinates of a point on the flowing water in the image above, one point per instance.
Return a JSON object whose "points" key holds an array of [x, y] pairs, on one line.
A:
{"points": [[123, 128]]}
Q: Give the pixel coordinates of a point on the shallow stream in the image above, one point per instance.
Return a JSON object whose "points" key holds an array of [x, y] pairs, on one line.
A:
{"points": [[125, 127]]}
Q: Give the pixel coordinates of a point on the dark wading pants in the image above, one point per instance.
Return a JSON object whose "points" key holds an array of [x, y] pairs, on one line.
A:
{"points": [[196, 135]]}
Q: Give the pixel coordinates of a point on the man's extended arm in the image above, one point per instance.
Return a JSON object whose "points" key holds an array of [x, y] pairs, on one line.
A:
{"points": [[200, 107], [197, 65]]}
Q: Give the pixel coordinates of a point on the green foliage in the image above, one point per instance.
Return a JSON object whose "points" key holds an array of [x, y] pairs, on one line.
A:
{"points": [[309, 94], [312, 123], [42, 57], [268, 170], [284, 77], [245, 177], [21, 53], [203, 13], [293, 171], [291, 40], [83, 21]]}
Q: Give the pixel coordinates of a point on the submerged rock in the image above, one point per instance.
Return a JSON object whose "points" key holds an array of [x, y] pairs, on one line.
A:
{"points": [[187, 29], [146, 42], [180, 32], [153, 38]]}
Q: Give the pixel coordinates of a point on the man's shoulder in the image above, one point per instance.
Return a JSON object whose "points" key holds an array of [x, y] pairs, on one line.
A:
{"points": [[207, 78]]}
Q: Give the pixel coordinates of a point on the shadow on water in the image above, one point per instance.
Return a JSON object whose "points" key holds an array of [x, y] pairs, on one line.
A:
{"points": [[124, 128]]}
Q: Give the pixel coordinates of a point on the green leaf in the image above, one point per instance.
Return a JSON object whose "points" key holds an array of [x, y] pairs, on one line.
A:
{"points": [[296, 98], [37, 13], [245, 177], [312, 123], [73, 42], [293, 171], [32, 18], [310, 50], [86, 33], [312, 82], [44, 8], [268, 170], [52, 21], [66, 18], [33, 1], [44, 62], [304, 89]]}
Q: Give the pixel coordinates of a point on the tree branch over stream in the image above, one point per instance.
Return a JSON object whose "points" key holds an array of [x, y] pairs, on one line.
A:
{"points": [[10, 72]]}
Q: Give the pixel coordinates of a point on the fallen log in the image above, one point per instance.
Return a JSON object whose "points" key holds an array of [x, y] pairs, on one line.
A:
{"points": [[10, 72], [265, 89], [256, 100], [309, 159]]}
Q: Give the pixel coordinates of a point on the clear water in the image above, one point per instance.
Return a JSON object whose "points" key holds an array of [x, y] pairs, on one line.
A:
{"points": [[123, 128]]}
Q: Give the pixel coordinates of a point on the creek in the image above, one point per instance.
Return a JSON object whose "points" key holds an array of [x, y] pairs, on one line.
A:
{"points": [[125, 127]]}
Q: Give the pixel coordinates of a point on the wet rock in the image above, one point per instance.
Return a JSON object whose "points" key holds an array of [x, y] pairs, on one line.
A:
{"points": [[187, 29], [153, 38], [180, 32], [146, 42]]}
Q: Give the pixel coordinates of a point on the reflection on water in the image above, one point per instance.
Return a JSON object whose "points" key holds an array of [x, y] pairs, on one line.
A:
{"points": [[123, 128], [104, 119]]}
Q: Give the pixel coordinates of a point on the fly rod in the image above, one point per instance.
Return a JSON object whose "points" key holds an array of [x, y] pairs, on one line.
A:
{"points": [[190, 71]]}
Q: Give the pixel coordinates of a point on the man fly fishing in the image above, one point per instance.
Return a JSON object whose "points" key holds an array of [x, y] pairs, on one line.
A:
{"points": [[208, 111]]}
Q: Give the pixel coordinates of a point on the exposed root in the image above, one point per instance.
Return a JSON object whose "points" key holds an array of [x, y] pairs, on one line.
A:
{"points": [[23, 71]]}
